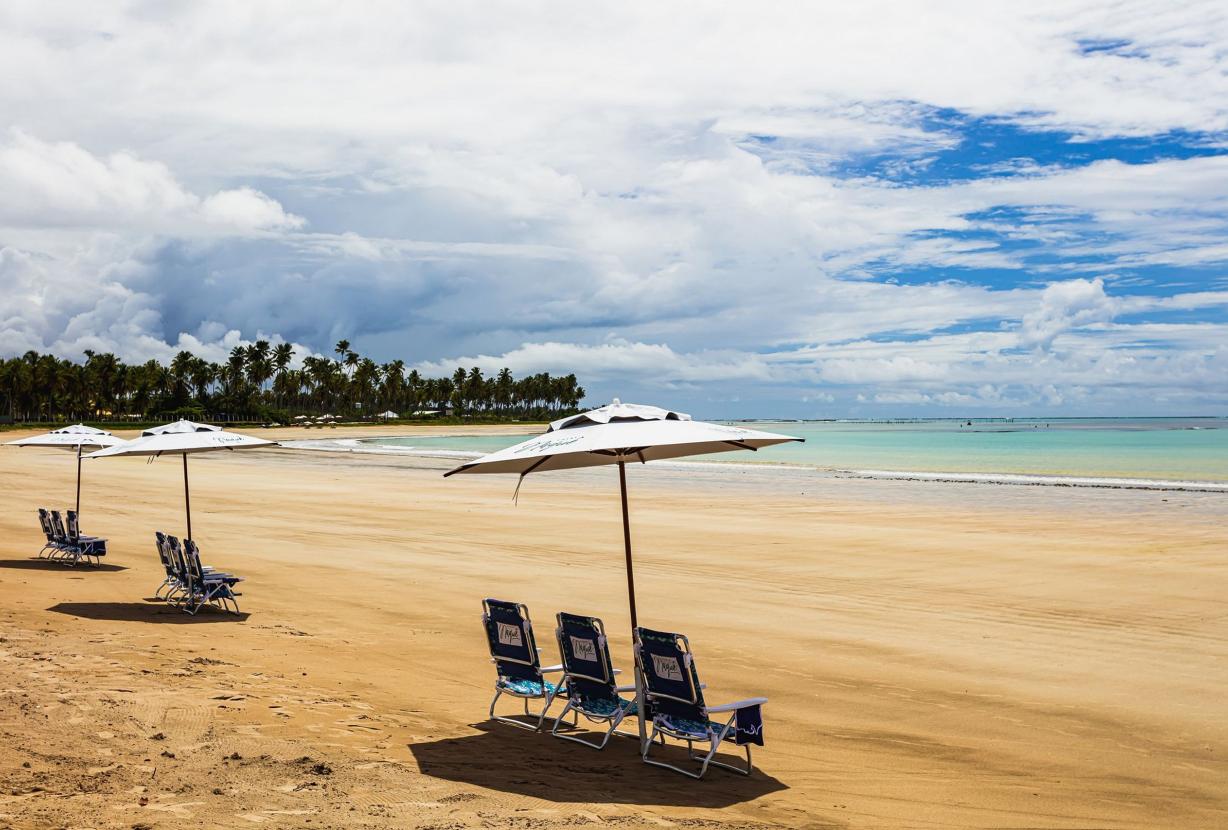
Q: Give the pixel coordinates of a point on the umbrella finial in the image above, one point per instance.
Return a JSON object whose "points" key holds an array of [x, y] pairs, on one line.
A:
{"points": [[616, 402]]}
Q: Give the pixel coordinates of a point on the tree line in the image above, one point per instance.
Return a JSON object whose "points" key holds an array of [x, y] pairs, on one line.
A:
{"points": [[257, 382]]}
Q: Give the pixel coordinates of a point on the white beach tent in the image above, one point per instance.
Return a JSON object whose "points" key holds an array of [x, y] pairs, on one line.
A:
{"points": [[618, 434], [76, 437], [389, 415], [183, 438]]}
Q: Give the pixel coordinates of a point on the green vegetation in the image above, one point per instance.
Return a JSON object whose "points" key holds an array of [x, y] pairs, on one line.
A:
{"points": [[257, 384]]}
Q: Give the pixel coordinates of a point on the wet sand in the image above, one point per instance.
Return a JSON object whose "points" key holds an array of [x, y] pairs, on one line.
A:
{"points": [[935, 655]]}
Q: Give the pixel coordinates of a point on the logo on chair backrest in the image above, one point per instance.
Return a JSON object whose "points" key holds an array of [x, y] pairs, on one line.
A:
{"points": [[666, 668], [583, 649], [509, 635]]}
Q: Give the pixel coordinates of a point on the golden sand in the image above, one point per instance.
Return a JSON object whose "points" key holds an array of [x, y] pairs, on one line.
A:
{"points": [[928, 665]]}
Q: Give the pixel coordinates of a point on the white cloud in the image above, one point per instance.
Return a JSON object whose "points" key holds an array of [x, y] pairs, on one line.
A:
{"points": [[1065, 306], [61, 185], [245, 209]]}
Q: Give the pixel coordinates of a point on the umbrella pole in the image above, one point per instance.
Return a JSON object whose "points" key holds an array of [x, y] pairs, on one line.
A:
{"points": [[639, 678], [78, 482], [187, 500]]}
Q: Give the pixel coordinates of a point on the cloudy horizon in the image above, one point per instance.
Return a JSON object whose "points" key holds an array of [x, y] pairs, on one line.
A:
{"points": [[878, 210]]}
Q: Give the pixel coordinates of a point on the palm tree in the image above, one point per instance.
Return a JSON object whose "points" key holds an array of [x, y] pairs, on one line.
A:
{"points": [[283, 353]]}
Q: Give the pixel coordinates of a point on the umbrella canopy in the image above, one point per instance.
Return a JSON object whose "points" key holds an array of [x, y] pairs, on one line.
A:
{"points": [[389, 414], [617, 434], [183, 438], [76, 437]]}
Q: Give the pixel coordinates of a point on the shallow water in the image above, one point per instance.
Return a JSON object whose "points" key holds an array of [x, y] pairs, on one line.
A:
{"points": [[1131, 450]]}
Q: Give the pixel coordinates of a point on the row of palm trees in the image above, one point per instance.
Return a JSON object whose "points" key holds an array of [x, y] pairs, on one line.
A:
{"points": [[260, 382]]}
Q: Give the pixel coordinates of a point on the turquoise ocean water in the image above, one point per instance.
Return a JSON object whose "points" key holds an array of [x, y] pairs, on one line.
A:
{"points": [[1162, 449]]}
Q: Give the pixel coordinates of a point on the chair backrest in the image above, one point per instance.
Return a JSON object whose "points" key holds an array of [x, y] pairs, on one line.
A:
{"points": [[44, 519], [176, 553], [586, 656], [74, 527], [191, 555], [163, 555], [509, 635], [670, 680], [57, 525]]}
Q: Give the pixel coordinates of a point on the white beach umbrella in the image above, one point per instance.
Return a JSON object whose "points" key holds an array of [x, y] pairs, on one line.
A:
{"points": [[618, 434], [183, 438], [76, 437]]}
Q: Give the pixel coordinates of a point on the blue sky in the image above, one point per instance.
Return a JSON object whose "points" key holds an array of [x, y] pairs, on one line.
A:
{"points": [[876, 210]]}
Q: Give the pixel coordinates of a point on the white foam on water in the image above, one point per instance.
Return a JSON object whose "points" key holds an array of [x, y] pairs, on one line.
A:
{"points": [[1044, 481]]}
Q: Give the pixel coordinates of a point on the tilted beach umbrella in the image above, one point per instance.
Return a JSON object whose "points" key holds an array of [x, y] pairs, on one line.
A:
{"points": [[76, 437], [183, 438], [618, 434]]}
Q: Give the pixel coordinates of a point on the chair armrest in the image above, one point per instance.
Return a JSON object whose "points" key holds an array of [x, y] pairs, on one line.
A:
{"points": [[630, 688], [546, 669], [741, 704], [618, 671]]}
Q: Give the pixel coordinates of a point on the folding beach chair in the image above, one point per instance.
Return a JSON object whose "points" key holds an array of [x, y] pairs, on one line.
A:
{"points": [[588, 679], [67, 551], [509, 635], [676, 701], [51, 547], [181, 591], [88, 547], [208, 587], [171, 583]]}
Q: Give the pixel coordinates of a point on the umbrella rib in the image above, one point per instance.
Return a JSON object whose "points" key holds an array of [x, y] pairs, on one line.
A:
{"points": [[742, 446], [520, 481]]}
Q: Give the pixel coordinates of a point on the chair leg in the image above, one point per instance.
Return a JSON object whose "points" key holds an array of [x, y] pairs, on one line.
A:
{"points": [[541, 718], [706, 760]]}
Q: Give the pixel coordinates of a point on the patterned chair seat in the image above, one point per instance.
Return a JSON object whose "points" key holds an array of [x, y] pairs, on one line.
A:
{"points": [[688, 729], [527, 688], [604, 707]]}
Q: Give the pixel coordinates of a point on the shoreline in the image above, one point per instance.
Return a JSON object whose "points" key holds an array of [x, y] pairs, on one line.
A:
{"points": [[360, 446]]}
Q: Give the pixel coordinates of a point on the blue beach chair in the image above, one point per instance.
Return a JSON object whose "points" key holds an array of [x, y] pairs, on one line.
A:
{"points": [[66, 550], [588, 678], [87, 547], [207, 586], [675, 700], [52, 546], [171, 583], [509, 635]]}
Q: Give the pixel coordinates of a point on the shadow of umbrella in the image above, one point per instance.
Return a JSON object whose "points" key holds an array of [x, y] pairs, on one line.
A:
{"points": [[539, 766], [142, 612], [54, 565]]}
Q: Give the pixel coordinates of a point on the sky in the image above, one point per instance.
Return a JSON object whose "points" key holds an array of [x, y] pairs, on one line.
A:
{"points": [[739, 210]]}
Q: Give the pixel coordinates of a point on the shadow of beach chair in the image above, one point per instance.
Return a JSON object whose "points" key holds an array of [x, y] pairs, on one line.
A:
{"points": [[88, 547], [207, 586], [676, 702], [509, 635], [588, 679]]}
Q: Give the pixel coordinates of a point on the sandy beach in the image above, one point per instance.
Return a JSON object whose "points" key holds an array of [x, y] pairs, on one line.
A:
{"points": [[935, 655]]}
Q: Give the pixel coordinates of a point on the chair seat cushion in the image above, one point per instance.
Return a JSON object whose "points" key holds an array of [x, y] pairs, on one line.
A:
{"points": [[527, 688], [696, 730], [604, 707]]}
